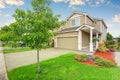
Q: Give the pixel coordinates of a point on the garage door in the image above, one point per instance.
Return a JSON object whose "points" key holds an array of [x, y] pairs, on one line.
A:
{"points": [[67, 42]]}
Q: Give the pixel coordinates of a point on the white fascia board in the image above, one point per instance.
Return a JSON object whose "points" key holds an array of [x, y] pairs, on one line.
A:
{"points": [[86, 26]]}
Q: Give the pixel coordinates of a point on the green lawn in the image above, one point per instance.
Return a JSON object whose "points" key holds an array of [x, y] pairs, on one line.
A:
{"points": [[12, 50], [64, 68]]}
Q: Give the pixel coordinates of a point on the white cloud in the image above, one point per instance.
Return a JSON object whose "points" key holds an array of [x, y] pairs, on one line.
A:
{"points": [[102, 1], [109, 3], [3, 3], [116, 18], [114, 28], [14, 2], [5, 15], [92, 3], [71, 2], [113, 25], [7, 22]]}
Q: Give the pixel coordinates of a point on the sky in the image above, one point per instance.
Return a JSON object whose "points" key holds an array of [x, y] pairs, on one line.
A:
{"points": [[108, 10]]}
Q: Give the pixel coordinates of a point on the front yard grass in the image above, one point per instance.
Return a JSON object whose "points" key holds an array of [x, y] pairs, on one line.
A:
{"points": [[64, 68], [19, 49]]}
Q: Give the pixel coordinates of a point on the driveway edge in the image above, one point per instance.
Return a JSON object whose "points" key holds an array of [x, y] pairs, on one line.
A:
{"points": [[3, 71]]}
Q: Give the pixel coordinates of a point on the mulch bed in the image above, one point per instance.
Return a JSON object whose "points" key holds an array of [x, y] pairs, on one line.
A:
{"points": [[89, 62], [107, 55]]}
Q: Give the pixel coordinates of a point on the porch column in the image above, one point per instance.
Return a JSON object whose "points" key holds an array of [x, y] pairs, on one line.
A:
{"points": [[97, 40], [91, 37], [79, 40]]}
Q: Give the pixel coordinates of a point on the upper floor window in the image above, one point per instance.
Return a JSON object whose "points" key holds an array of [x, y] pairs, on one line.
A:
{"points": [[75, 22]]}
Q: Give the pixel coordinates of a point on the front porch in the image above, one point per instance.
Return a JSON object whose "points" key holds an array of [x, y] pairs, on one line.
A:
{"points": [[85, 38]]}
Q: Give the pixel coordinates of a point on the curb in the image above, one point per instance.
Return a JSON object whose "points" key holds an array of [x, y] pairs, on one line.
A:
{"points": [[3, 71]]}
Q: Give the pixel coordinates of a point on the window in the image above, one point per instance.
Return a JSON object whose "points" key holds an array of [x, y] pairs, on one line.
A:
{"points": [[75, 22]]}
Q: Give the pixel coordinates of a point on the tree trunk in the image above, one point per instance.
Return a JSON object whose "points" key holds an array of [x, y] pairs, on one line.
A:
{"points": [[38, 61]]}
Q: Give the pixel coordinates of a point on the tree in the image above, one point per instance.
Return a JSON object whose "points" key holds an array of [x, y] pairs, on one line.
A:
{"points": [[109, 41], [35, 27], [118, 42], [11, 34], [109, 37]]}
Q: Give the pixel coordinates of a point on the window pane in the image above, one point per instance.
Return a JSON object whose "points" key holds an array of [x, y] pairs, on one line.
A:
{"points": [[73, 22], [77, 21]]}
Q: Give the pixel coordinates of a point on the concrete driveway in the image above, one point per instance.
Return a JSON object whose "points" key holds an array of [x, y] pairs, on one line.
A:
{"points": [[15, 60]]}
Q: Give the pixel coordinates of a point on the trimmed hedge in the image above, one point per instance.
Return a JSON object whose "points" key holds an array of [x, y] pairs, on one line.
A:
{"points": [[81, 58], [103, 62]]}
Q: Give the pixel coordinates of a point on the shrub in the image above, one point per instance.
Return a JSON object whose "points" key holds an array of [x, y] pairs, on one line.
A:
{"points": [[112, 49], [81, 58], [94, 39], [118, 46], [101, 46], [76, 56], [103, 62]]}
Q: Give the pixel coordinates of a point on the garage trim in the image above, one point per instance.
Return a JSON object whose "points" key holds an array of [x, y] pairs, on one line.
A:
{"points": [[67, 36]]}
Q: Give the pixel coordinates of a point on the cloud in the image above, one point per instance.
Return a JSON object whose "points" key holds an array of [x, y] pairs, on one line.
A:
{"points": [[3, 3], [14, 2], [116, 18], [109, 3], [92, 3], [7, 21], [82, 2], [5, 15], [113, 25], [113, 28], [71, 2]]}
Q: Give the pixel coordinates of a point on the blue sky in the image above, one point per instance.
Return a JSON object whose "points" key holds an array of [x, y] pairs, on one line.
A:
{"points": [[109, 10]]}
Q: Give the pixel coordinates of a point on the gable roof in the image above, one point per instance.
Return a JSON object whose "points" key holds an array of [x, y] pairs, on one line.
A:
{"points": [[71, 29], [99, 19], [80, 13], [68, 29], [92, 18]]}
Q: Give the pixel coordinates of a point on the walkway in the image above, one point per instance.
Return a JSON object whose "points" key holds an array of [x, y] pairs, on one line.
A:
{"points": [[117, 58], [15, 60], [3, 73]]}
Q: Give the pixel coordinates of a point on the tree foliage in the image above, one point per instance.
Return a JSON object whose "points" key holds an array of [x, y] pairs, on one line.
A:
{"points": [[109, 42], [34, 27], [118, 43], [109, 36]]}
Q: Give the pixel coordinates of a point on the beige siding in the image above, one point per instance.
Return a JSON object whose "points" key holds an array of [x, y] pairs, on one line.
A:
{"points": [[85, 39], [97, 25], [89, 21], [82, 19], [67, 43], [67, 34]]}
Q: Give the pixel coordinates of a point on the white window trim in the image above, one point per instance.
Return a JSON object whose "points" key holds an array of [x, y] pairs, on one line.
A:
{"points": [[74, 19]]}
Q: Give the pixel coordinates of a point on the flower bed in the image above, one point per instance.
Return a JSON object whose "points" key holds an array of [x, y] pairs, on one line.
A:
{"points": [[106, 55], [105, 59], [89, 62]]}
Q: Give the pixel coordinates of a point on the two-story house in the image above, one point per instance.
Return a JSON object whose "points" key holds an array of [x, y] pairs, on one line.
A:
{"points": [[78, 32]]}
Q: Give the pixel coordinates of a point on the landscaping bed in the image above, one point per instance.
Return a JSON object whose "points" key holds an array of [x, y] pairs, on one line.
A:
{"points": [[105, 59]]}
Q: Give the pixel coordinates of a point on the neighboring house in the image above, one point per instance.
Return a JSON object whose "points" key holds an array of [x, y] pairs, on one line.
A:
{"points": [[115, 40], [78, 32]]}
